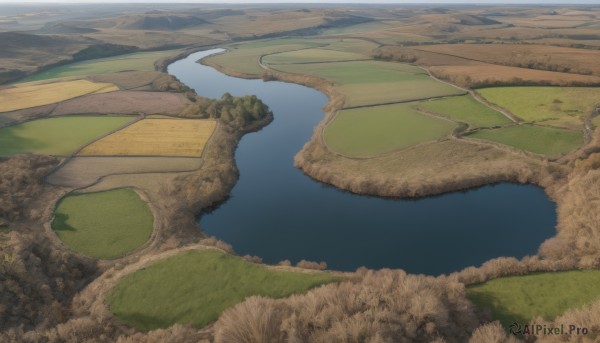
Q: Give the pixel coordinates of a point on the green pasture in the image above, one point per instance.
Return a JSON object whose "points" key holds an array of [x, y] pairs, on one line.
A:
{"points": [[360, 46], [243, 58], [105, 224], [312, 55], [522, 298], [375, 130], [195, 287], [556, 106], [56, 136], [537, 139], [375, 82], [466, 109], [141, 61]]}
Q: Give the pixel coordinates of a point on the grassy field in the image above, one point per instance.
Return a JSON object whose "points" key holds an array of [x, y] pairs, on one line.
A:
{"points": [[56, 136], [141, 61], [312, 55], [359, 46], [557, 106], [103, 225], [33, 94], [156, 137], [540, 140], [522, 298], [244, 58], [195, 287], [376, 130], [466, 109], [375, 82]]}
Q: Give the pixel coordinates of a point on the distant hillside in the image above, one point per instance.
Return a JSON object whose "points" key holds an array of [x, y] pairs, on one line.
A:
{"points": [[63, 28], [160, 22], [468, 19]]}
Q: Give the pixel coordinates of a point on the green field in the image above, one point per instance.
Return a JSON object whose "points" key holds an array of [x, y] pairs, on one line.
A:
{"points": [[195, 287], [556, 106], [375, 82], [466, 109], [243, 58], [360, 46], [376, 130], [537, 139], [312, 55], [522, 298], [105, 224], [141, 61], [56, 136]]}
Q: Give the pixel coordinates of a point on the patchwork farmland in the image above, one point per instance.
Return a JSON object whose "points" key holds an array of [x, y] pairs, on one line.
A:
{"points": [[156, 137], [34, 94], [60, 136]]}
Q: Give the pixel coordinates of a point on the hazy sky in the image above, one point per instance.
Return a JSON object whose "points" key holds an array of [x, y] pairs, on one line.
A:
{"points": [[316, 1]]}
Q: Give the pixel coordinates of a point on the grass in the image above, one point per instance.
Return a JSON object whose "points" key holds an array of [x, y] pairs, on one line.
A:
{"points": [[56, 136], [244, 58], [105, 224], [466, 109], [312, 55], [537, 139], [375, 130], [557, 106], [522, 298], [29, 95], [141, 61], [195, 287], [156, 137], [375, 82]]}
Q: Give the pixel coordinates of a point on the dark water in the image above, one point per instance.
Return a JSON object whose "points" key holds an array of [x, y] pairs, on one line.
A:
{"points": [[278, 213]]}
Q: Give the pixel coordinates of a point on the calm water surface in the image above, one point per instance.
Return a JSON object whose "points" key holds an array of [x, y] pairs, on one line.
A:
{"points": [[278, 213]]}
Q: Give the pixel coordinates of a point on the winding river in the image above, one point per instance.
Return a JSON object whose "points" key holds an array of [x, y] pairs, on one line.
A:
{"points": [[278, 213]]}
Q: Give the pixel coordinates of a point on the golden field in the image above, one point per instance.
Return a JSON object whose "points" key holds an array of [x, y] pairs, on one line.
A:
{"points": [[27, 95], [156, 137]]}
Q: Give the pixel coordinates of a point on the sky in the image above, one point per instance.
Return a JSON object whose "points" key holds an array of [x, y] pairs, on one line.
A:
{"points": [[317, 1]]}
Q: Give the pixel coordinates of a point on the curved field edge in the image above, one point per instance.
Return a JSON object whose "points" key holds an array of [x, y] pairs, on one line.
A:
{"points": [[195, 287], [542, 140], [365, 132], [547, 295], [103, 225]]}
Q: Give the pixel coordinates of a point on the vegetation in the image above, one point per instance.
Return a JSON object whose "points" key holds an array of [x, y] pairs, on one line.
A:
{"points": [[467, 110], [375, 82], [103, 225], [376, 130], [56, 136], [243, 58], [141, 61], [237, 111], [557, 106], [312, 55], [103, 50], [34, 94], [426, 308], [522, 298], [156, 137], [537, 139], [194, 287]]}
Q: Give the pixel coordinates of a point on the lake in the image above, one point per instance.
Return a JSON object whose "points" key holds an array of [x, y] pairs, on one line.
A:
{"points": [[276, 212]]}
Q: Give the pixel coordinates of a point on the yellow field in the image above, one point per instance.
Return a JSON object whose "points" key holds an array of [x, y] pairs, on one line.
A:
{"points": [[34, 94], [156, 137]]}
